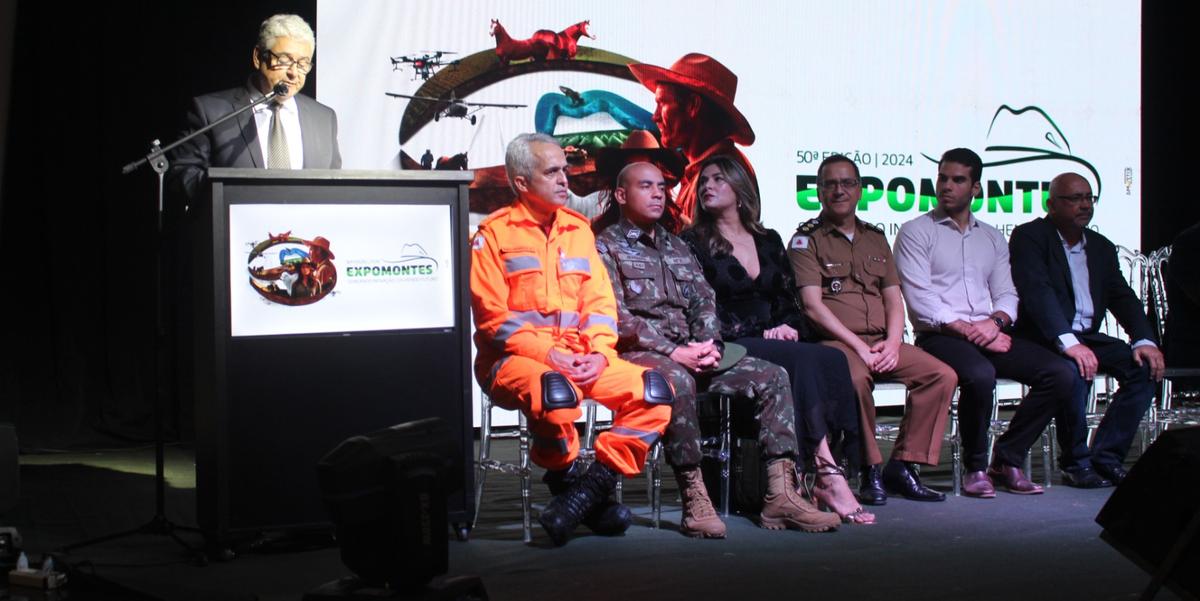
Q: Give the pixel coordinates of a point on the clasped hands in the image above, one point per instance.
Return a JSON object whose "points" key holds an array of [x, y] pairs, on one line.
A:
{"points": [[881, 357], [583, 370], [697, 357]]}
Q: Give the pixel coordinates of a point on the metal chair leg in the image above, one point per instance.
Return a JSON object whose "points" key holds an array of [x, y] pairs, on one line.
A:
{"points": [[656, 484], [726, 451], [1050, 450], [485, 453], [526, 480], [955, 446]]}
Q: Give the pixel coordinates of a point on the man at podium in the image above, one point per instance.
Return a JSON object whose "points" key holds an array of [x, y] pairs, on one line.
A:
{"points": [[546, 331], [293, 131]]}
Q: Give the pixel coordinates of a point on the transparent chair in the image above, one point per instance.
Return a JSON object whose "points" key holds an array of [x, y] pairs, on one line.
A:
{"points": [[1164, 413]]}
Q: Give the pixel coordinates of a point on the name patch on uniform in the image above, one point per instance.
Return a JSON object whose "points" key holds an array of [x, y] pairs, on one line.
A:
{"points": [[799, 242]]}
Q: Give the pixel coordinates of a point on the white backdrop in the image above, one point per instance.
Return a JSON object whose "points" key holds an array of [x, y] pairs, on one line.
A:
{"points": [[890, 81]]}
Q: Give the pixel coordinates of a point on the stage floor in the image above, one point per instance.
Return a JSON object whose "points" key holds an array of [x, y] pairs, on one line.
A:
{"points": [[1009, 547]]}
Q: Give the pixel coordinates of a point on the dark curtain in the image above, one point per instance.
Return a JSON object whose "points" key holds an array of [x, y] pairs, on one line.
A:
{"points": [[92, 85]]}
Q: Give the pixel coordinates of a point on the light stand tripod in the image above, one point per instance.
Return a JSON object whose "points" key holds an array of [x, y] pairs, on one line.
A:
{"points": [[159, 524]]}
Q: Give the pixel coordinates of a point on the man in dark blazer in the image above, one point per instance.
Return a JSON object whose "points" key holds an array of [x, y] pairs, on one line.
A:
{"points": [[303, 130], [1067, 277]]}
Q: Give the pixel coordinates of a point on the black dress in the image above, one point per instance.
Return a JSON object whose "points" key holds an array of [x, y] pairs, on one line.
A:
{"points": [[824, 396]]}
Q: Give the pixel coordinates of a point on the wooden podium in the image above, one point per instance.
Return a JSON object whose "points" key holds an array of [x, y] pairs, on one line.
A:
{"points": [[289, 364]]}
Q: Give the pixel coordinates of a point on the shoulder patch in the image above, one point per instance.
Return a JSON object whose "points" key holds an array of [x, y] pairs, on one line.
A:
{"points": [[601, 247], [477, 241], [799, 242]]}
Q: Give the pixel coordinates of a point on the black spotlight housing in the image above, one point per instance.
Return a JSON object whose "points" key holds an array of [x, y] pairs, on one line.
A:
{"points": [[386, 494]]}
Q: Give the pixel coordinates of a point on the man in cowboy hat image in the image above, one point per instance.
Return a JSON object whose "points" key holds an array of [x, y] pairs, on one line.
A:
{"points": [[639, 146], [695, 114]]}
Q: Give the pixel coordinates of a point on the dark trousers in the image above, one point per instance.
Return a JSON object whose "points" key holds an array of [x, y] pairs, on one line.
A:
{"points": [[825, 402], [1124, 413], [1053, 380]]}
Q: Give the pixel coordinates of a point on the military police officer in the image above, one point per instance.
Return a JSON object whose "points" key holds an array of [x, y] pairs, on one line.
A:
{"points": [[851, 291]]}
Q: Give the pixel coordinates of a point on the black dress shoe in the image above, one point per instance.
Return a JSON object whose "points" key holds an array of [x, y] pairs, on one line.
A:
{"points": [[870, 489], [901, 479], [1114, 473], [1085, 477]]}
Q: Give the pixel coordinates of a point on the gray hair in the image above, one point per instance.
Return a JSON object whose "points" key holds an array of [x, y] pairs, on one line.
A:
{"points": [[518, 157], [284, 26]]}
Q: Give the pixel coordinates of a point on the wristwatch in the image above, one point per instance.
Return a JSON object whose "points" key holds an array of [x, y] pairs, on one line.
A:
{"points": [[999, 322]]}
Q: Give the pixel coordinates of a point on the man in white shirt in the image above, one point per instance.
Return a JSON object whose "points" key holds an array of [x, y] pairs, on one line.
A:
{"points": [[1068, 277], [956, 280]]}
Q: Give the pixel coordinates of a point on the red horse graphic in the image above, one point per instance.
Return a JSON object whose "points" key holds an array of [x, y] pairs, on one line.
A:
{"points": [[543, 45]]}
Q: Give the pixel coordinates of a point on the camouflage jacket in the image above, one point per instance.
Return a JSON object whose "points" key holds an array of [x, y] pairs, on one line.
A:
{"points": [[663, 300]]}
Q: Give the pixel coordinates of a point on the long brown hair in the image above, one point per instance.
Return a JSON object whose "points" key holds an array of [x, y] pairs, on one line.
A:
{"points": [[704, 225]]}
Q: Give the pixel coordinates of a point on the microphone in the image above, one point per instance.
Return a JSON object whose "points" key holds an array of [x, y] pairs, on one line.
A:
{"points": [[280, 89]]}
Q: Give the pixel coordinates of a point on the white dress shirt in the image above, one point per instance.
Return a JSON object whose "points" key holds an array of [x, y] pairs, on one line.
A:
{"points": [[289, 116], [1085, 311], [948, 274]]}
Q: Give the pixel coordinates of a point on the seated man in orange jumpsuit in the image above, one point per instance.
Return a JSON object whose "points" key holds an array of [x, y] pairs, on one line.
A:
{"points": [[546, 332]]}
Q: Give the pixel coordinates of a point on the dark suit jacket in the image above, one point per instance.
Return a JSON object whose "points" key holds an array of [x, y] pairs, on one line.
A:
{"points": [[1043, 280], [235, 142]]}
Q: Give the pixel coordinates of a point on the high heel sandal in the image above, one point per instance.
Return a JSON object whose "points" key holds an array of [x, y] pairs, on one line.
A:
{"points": [[824, 495]]}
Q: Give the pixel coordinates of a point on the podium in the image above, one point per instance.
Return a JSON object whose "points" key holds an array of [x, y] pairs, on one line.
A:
{"points": [[329, 304]]}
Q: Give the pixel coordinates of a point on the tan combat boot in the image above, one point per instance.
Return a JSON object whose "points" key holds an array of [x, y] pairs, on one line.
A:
{"points": [[700, 520], [783, 507]]}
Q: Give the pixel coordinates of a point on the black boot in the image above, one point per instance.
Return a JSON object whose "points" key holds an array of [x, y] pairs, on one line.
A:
{"points": [[870, 489], [564, 512], [609, 518]]}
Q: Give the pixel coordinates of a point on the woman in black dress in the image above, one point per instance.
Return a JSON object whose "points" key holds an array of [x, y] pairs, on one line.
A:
{"points": [[748, 268]]}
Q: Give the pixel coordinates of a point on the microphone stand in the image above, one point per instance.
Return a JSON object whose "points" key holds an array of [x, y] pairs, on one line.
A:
{"points": [[159, 524]]}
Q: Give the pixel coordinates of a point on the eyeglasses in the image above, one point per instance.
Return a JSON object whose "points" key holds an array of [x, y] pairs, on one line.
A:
{"points": [[829, 185], [1079, 198], [282, 62]]}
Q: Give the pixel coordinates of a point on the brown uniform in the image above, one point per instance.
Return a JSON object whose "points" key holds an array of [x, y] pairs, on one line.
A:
{"points": [[852, 275]]}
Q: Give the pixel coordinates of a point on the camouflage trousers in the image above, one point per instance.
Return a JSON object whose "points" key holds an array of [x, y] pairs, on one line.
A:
{"points": [[750, 379]]}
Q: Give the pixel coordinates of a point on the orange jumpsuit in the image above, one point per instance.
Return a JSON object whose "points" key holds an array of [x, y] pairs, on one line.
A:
{"points": [[532, 292]]}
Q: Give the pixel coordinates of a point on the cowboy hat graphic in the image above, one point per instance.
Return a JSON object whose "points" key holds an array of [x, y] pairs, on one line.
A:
{"points": [[1029, 135]]}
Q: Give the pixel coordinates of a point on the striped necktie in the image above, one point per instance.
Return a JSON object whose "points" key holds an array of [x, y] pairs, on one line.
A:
{"points": [[278, 156]]}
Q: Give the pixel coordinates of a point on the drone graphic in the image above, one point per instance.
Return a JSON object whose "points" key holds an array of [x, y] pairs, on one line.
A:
{"points": [[460, 109], [423, 65]]}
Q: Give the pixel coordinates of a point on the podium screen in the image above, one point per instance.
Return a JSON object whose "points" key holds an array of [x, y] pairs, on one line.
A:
{"points": [[323, 268]]}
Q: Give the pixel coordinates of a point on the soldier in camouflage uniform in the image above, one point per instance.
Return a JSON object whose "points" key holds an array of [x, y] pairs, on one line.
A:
{"points": [[666, 317]]}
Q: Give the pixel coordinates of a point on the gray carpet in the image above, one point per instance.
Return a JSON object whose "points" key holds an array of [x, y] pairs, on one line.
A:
{"points": [[1044, 547]]}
